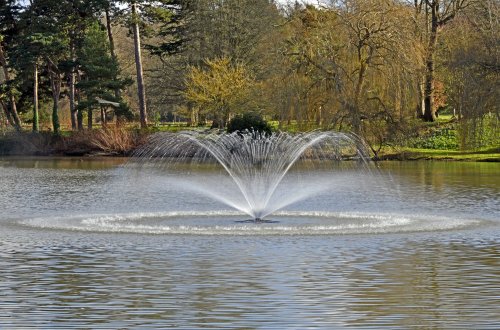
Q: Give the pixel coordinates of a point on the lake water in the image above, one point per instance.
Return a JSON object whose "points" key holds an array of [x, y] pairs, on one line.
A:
{"points": [[87, 244]]}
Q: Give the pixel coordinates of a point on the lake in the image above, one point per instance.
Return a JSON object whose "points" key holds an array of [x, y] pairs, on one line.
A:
{"points": [[90, 244]]}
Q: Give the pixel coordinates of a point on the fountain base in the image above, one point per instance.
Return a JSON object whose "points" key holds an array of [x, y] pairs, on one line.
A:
{"points": [[257, 221]]}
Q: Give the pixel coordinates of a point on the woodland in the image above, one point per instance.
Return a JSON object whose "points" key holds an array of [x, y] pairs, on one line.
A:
{"points": [[402, 74]]}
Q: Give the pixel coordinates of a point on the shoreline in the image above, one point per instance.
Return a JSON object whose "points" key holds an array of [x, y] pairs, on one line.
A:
{"points": [[441, 155], [403, 156], [90, 145]]}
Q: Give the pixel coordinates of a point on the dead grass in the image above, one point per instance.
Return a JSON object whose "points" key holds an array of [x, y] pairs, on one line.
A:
{"points": [[115, 140], [111, 140]]}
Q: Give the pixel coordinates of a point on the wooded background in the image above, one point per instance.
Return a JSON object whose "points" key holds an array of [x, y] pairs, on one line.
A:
{"points": [[383, 69]]}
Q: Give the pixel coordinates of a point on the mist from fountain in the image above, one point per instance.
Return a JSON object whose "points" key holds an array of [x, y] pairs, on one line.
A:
{"points": [[256, 163]]}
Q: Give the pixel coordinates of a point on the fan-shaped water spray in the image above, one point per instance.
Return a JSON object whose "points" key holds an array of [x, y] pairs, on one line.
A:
{"points": [[257, 163]]}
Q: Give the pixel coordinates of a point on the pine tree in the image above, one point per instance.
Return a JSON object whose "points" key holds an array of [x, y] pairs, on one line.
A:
{"points": [[99, 73]]}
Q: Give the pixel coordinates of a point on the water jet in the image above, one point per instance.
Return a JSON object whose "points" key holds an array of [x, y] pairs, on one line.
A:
{"points": [[256, 163]]}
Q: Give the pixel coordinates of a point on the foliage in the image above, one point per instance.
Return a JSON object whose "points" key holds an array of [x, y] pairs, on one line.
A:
{"points": [[101, 72], [368, 66], [350, 64], [248, 121], [444, 139], [477, 133], [220, 89], [472, 74]]}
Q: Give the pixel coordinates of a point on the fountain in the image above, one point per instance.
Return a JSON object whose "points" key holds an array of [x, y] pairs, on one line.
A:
{"points": [[87, 246], [256, 163], [268, 180]]}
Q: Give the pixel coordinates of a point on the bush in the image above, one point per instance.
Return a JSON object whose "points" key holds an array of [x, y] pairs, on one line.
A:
{"points": [[117, 140], [248, 122], [444, 139], [477, 133], [110, 140]]}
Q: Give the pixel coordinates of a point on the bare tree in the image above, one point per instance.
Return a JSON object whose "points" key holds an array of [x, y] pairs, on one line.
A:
{"points": [[352, 46], [472, 73], [438, 14]]}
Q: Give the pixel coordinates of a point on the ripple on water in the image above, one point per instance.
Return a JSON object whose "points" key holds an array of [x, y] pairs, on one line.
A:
{"points": [[73, 280], [225, 223]]}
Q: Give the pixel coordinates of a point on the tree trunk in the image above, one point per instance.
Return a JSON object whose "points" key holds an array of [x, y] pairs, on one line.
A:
{"points": [[55, 81], [55, 114], [103, 117], [354, 108], [110, 33], [7, 113], [72, 107], [79, 118], [138, 65], [429, 111], [12, 100], [36, 122], [111, 45], [13, 111], [89, 118], [398, 99], [194, 114], [420, 108], [79, 111], [355, 119]]}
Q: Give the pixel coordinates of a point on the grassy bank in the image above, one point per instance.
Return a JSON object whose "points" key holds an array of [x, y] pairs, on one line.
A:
{"points": [[487, 155], [441, 143], [113, 141]]}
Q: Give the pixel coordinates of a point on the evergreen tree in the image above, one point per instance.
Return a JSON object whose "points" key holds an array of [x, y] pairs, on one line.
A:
{"points": [[99, 72], [9, 15]]}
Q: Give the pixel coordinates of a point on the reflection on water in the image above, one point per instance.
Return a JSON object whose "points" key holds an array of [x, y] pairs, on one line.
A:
{"points": [[193, 282], [72, 279]]}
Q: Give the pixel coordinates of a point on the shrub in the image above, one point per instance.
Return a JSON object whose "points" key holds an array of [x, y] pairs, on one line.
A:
{"points": [[444, 139], [248, 121], [114, 139], [111, 140]]}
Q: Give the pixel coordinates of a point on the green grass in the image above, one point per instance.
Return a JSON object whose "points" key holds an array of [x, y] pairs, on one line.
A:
{"points": [[491, 154], [444, 118]]}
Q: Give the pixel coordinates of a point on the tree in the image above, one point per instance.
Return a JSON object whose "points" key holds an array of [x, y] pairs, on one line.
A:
{"points": [[138, 64], [220, 89], [471, 47], [107, 14], [99, 72], [9, 12], [53, 52], [7, 94], [141, 16], [49, 38], [440, 13], [27, 59], [192, 31], [78, 15], [44, 44], [352, 50], [214, 28]]}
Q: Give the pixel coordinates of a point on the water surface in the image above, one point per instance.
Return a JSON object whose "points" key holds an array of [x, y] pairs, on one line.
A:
{"points": [[86, 244]]}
